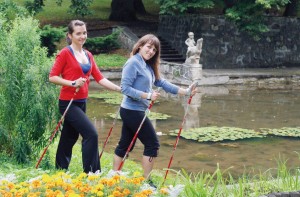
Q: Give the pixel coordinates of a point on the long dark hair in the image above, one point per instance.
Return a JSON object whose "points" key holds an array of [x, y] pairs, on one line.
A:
{"points": [[155, 60], [71, 26]]}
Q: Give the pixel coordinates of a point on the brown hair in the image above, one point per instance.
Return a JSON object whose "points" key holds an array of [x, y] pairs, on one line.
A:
{"points": [[71, 26], [155, 60]]}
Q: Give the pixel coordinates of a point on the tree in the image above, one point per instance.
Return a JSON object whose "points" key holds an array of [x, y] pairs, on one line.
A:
{"points": [[77, 7], [126, 10], [248, 15], [292, 8], [122, 10]]}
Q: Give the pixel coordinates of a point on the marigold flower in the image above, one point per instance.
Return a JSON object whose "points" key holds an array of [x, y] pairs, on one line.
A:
{"points": [[10, 185], [147, 192], [164, 191], [137, 174], [126, 192], [36, 183]]}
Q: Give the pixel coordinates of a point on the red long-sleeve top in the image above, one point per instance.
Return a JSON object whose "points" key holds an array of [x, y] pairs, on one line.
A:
{"points": [[67, 67]]}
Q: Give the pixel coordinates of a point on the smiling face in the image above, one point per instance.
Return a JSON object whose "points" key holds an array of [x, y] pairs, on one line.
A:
{"points": [[147, 51], [79, 35]]}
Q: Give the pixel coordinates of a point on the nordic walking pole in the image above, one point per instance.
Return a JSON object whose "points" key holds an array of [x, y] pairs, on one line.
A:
{"points": [[179, 132], [56, 128], [136, 134], [109, 133]]}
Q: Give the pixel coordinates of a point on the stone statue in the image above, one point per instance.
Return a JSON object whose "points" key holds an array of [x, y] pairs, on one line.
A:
{"points": [[193, 53], [190, 42]]}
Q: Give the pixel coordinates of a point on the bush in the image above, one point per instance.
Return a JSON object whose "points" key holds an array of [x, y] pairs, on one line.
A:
{"points": [[28, 101], [103, 44], [50, 36]]}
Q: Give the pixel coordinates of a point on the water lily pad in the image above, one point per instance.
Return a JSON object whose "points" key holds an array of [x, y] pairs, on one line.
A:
{"points": [[284, 131], [152, 116], [108, 97], [216, 134]]}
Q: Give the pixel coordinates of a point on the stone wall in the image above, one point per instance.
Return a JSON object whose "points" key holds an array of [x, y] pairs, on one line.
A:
{"points": [[126, 38], [225, 47]]}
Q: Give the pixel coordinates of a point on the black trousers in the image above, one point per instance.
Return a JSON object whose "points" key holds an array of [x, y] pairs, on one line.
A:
{"points": [[147, 135], [76, 122]]}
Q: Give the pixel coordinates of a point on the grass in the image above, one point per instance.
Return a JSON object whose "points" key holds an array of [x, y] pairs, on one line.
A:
{"points": [[58, 15], [110, 60], [101, 9], [219, 183]]}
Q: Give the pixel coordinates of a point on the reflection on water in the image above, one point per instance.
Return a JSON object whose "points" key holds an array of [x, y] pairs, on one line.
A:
{"points": [[217, 106]]}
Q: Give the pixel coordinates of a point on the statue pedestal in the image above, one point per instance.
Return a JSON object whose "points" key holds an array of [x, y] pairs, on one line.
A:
{"points": [[195, 71]]}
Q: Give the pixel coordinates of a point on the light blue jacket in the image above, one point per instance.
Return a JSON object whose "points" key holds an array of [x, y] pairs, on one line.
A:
{"points": [[137, 78]]}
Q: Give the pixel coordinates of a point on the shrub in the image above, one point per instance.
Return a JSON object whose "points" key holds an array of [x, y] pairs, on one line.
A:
{"points": [[50, 36], [28, 102], [103, 44]]}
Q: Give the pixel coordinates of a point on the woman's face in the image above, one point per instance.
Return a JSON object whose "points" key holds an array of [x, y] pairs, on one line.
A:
{"points": [[79, 35], [147, 51]]}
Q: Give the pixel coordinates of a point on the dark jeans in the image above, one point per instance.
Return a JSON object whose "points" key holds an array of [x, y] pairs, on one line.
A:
{"points": [[147, 135], [76, 122]]}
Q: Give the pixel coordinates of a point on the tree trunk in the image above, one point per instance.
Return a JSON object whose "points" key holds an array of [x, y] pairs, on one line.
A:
{"points": [[122, 10], [228, 4], [139, 7], [291, 8]]}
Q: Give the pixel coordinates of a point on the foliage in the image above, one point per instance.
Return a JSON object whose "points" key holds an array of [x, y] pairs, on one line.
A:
{"points": [[108, 96], [151, 116], [9, 11], [218, 183], [214, 134], [80, 8], [50, 36], [77, 7], [249, 16], [103, 44], [28, 101], [34, 6], [173, 7], [108, 60], [64, 184], [284, 131]]}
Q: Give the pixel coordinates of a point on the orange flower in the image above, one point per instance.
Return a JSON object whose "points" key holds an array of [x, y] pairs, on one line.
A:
{"points": [[126, 192], [36, 184], [117, 194]]}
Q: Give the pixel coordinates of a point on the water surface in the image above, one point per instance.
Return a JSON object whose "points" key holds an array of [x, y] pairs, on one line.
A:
{"points": [[243, 107]]}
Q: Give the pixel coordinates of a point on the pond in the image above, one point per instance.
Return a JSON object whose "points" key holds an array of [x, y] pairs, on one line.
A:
{"points": [[241, 107]]}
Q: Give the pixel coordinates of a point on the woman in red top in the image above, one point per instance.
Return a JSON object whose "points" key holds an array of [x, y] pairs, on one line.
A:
{"points": [[72, 69]]}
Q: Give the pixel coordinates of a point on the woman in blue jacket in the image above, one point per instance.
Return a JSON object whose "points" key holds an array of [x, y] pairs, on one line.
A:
{"points": [[140, 73]]}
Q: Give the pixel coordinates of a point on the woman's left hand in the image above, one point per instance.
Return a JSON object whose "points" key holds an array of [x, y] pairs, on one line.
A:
{"points": [[192, 89]]}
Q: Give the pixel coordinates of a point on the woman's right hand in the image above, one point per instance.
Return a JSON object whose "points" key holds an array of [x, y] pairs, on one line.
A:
{"points": [[79, 82], [154, 95]]}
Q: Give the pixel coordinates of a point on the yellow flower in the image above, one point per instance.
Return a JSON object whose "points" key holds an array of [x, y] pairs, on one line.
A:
{"points": [[147, 192], [82, 175], [36, 184], [136, 174], [100, 193], [99, 186], [10, 185], [92, 177], [46, 178], [117, 193], [5, 193], [164, 191], [126, 192]]}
